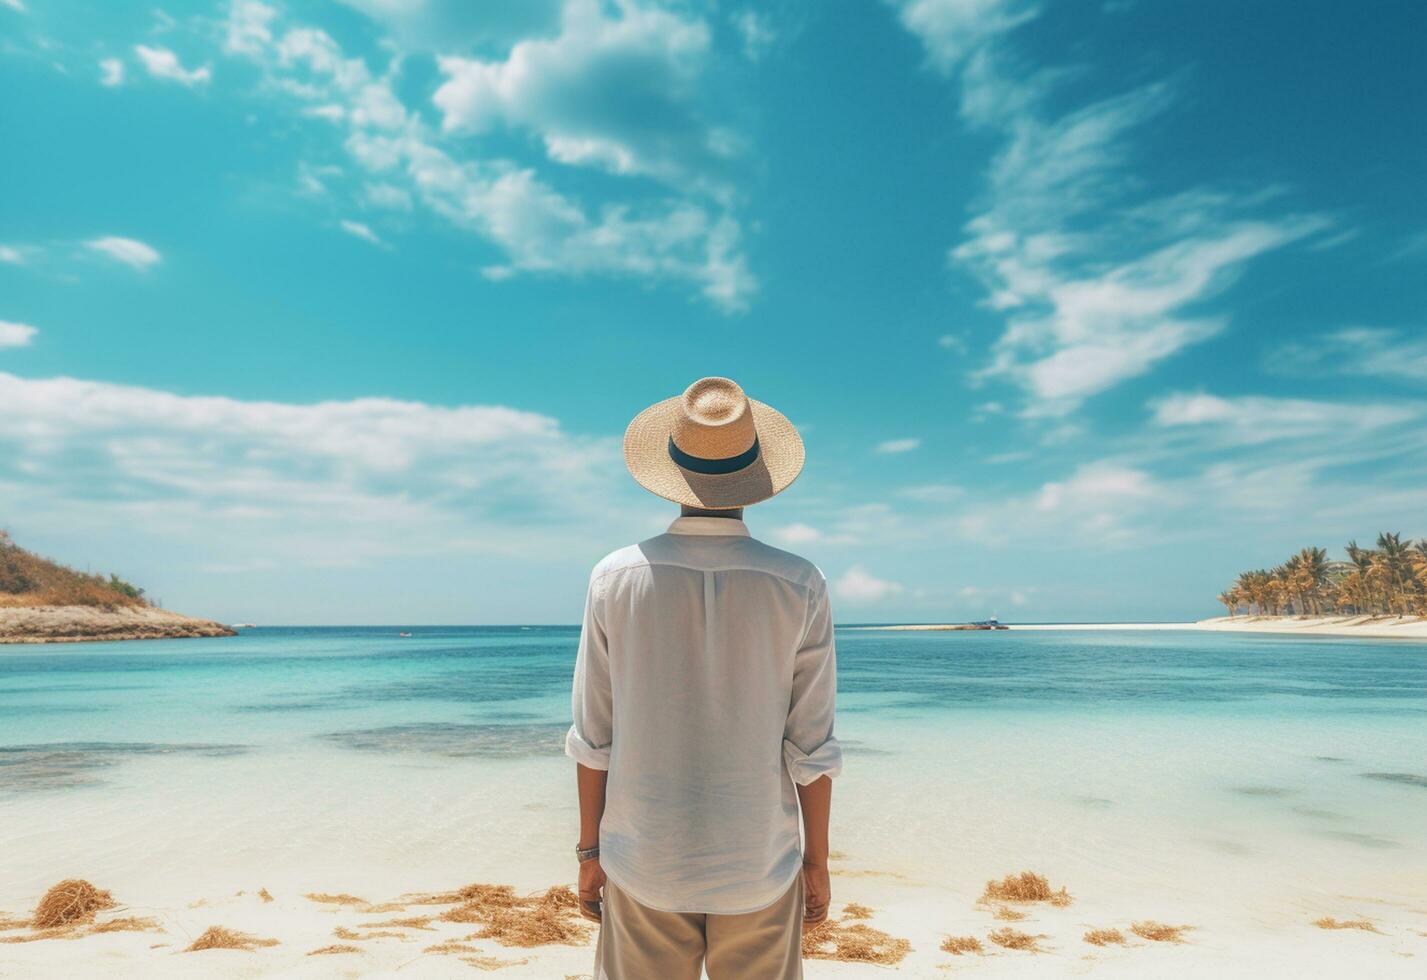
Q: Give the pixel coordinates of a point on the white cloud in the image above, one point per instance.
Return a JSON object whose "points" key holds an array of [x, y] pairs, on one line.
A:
{"points": [[541, 230], [359, 230], [15, 334], [130, 251], [12, 255], [335, 480], [858, 586], [953, 29], [1101, 504], [1367, 351], [432, 25], [1096, 486], [932, 493], [1098, 281], [1251, 420], [163, 63], [898, 446], [797, 534], [14, 5], [757, 32], [249, 27], [111, 72], [591, 93], [387, 196]]}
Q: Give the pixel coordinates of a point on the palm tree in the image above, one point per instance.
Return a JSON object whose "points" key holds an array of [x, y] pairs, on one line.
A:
{"points": [[1390, 579]]}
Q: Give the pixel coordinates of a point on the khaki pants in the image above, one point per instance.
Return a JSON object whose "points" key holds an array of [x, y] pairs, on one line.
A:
{"points": [[640, 943]]}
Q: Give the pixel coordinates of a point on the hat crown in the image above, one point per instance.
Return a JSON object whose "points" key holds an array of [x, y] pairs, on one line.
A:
{"points": [[716, 421]]}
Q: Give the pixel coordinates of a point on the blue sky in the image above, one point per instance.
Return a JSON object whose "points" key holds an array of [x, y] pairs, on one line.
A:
{"points": [[336, 311]]}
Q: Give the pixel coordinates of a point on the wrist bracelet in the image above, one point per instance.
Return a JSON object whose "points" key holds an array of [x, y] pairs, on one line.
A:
{"points": [[587, 853]]}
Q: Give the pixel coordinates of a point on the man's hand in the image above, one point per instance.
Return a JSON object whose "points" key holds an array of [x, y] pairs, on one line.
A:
{"points": [[591, 889], [817, 894]]}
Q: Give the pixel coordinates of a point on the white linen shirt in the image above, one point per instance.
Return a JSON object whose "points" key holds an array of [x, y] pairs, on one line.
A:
{"points": [[705, 685]]}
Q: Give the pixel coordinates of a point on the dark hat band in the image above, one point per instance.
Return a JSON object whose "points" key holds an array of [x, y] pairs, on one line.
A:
{"points": [[713, 467]]}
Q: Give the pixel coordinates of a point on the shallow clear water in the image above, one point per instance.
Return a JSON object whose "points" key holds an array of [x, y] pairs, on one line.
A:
{"points": [[1210, 760]]}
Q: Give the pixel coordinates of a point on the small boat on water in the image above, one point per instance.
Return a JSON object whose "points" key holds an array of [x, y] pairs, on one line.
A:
{"points": [[244, 626], [403, 634]]}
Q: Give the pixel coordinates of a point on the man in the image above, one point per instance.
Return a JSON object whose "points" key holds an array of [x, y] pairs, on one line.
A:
{"points": [[703, 712]]}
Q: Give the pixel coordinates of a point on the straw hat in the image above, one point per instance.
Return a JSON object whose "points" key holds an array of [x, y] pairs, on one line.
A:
{"points": [[713, 447]]}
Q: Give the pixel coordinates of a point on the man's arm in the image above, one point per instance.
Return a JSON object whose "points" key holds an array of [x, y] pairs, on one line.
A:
{"points": [[590, 784], [816, 801], [810, 751]]}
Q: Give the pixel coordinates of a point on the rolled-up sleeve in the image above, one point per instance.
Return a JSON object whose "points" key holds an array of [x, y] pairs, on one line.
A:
{"points": [[809, 748], [591, 702]]}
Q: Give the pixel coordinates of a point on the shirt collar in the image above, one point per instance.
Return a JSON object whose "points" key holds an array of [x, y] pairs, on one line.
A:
{"points": [[709, 526]]}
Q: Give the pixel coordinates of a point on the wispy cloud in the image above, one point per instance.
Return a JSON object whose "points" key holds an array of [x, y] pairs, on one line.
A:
{"points": [[12, 255], [859, 586], [757, 32], [129, 251], [358, 230], [14, 5], [15, 334], [797, 534], [163, 63], [111, 72], [893, 446], [953, 30], [541, 230], [1367, 351], [1097, 280], [1251, 420]]}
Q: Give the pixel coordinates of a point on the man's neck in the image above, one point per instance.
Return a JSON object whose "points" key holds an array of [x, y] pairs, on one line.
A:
{"points": [[735, 513]]}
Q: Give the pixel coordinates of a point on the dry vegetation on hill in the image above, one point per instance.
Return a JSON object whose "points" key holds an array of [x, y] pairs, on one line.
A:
{"points": [[28, 580]]}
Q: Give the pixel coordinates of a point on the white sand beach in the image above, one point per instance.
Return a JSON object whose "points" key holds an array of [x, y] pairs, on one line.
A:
{"points": [[345, 845], [1390, 627]]}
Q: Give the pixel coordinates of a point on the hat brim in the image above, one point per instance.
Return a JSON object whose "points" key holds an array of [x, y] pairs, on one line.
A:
{"points": [[646, 453]]}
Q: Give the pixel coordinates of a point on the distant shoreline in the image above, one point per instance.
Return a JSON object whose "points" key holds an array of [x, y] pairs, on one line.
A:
{"points": [[1392, 627], [86, 624]]}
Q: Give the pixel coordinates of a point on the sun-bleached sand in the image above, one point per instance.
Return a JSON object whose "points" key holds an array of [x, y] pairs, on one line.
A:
{"points": [[300, 853], [1390, 627]]}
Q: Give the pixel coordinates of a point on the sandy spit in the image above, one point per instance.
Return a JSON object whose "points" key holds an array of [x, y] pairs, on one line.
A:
{"points": [[77, 624]]}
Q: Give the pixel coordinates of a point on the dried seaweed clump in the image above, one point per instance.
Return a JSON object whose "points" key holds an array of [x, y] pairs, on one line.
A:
{"points": [[491, 962], [514, 920], [857, 943], [8, 923], [341, 899], [1025, 887], [414, 922], [1007, 914], [264, 895], [855, 910], [1158, 932], [218, 937], [959, 945], [1009, 938], [334, 948], [1328, 922], [132, 923], [70, 903], [451, 946], [1105, 937], [487, 895]]}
